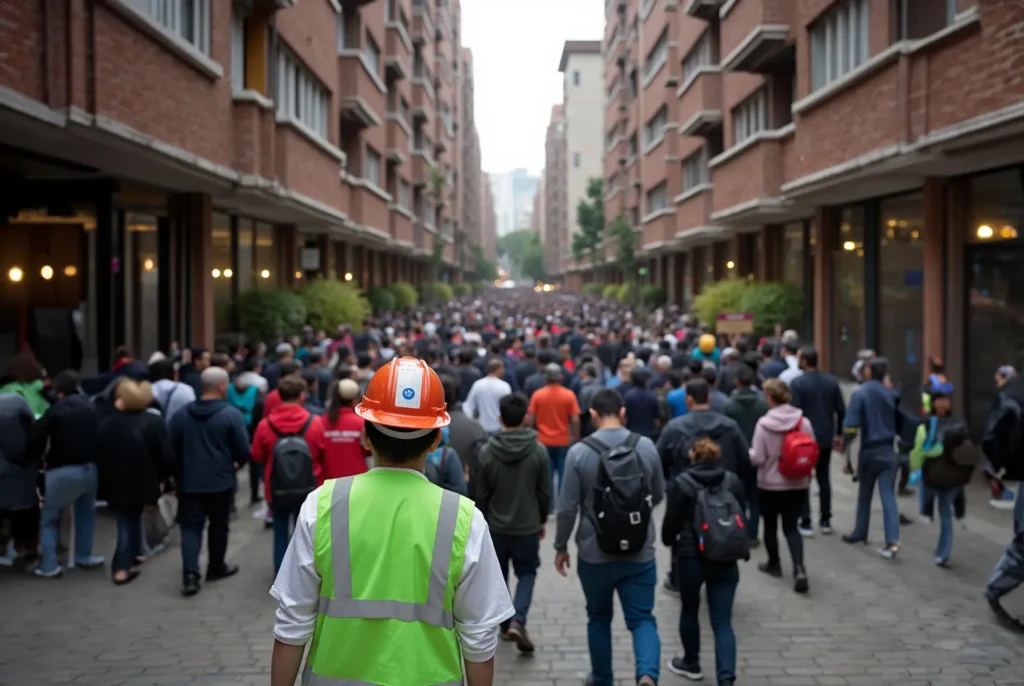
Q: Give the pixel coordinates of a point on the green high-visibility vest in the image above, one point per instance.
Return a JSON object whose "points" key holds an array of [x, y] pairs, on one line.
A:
{"points": [[389, 547]]}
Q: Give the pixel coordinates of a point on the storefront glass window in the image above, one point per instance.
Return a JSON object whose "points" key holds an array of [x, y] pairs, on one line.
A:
{"points": [[222, 273], [848, 323], [246, 256], [901, 300], [730, 253], [266, 260], [688, 278], [142, 278], [793, 255], [997, 207]]}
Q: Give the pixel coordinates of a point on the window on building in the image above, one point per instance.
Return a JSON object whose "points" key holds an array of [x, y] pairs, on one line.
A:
{"points": [[848, 319], [750, 117], [840, 41], [632, 145], [632, 84], [576, 160], [372, 171], [699, 56], [300, 96], [237, 50], [389, 9], [695, 170], [657, 55], [189, 20], [222, 272], [403, 194], [913, 19], [371, 54], [575, 78], [657, 197], [654, 129], [340, 28]]}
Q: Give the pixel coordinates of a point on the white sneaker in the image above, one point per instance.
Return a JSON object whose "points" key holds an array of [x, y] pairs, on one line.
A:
{"points": [[1001, 504], [825, 529], [807, 532], [925, 519]]}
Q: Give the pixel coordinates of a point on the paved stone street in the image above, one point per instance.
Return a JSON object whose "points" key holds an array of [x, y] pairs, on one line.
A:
{"points": [[866, 621]]}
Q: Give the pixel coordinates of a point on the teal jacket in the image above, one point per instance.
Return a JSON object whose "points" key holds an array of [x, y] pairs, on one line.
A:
{"points": [[32, 393]]}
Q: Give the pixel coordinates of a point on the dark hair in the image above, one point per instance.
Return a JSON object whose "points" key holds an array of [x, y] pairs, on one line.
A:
{"points": [[936, 365], [744, 376], [363, 360], [494, 364], [695, 365], [545, 357], [709, 374], [451, 389], [752, 360], [253, 363], [315, 357], [513, 408], [289, 367], [606, 403], [66, 382], [698, 389], [291, 388], [589, 370], [639, 377], [432, 354], [123, 352], [810, 357], [161, 369], [197, 353], [220, 359], [675, 379], [879, 367], [466, 355], [311, 378], [792, 347], [343, 352], [767, 349], [343, 371], [399, 450]]}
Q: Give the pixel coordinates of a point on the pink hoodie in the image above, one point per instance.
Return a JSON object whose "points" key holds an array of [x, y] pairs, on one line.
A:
{"points": [[766, 447]]}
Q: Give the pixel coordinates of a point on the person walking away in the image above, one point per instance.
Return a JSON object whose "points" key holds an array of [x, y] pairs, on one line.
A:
{"points": [[289, 443], [771, 366], [168, 391], [485, 397], [939, 453], [134, 460], [1003, 498], [874, 413], [784, 451], [746, 406], [465, 435], [468, 374], [705, 481], [273, 398], [643, 413], [818, 395], [717, 399], [627, 463], [191, 373], [19, 465], [210, 443], [252, 375], [317, 362], [312, 403], [24, 377], [349, 537], [554, 412], [589, 385], [444, 466], [791, 356], [273, 371], [1003, 446], [71, 478], [344, 453], [513, 492], [732, 360], [707, 349], [538, 379], [676, 397]]}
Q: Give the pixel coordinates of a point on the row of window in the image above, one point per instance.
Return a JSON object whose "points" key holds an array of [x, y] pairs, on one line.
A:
{"points": [[655, 127], [657, 56]]}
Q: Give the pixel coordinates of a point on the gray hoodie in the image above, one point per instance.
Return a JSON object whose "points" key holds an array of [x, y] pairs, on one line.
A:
{"points": [[172, 396]]}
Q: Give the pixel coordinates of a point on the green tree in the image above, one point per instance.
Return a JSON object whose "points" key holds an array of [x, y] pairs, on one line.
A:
{"points": [[484, 269], [625, 254], [532, 265], [435, 188], [523, 249], [586, 243]]}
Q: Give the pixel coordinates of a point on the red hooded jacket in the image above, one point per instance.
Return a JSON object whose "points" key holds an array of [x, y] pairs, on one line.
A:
{"points": [[344, 454], [287, 418]]}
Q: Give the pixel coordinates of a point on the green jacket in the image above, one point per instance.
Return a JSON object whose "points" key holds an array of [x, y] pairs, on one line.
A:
{"points": [[513, 487], [32, 393]]}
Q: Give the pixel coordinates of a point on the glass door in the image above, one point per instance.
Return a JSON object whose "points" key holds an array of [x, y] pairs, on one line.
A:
{"points": [[995, 323]]}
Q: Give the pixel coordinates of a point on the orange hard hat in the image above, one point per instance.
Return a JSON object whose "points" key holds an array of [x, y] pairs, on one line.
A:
{"points": [[406, 394], [707, 344]]}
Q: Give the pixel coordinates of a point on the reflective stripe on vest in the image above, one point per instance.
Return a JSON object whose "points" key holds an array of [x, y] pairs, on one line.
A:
{"points": [[310, 679], [344, 606]]}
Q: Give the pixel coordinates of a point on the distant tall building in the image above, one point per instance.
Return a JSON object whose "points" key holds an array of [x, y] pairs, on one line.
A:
{"points": [[537, 215], [513, 199], [488, 218], [555, 216]]}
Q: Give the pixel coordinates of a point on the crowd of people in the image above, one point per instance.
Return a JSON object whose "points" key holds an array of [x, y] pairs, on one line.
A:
{"points": [[561, 408]]}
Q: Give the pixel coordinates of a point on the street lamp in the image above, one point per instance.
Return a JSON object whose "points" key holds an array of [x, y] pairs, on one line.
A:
{"points": [[15, 274], [348, 276], [46, 272]]}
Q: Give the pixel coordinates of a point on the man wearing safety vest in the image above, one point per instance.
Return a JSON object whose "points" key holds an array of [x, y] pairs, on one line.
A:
{"points": [[394, 579]]}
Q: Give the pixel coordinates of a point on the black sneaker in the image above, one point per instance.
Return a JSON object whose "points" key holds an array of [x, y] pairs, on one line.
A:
{"points": [[800, 583], [691, 671], [1004, 617], [850, 538], [222, 573], [670, 587], [191, 585], [770, 569]]}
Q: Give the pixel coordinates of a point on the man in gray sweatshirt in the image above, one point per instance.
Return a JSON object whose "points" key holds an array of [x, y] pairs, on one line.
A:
{"points": [[634, 576]]}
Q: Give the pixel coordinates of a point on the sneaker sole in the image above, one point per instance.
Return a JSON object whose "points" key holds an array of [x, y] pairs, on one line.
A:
{"points": [[692, 676], [522, 644]]}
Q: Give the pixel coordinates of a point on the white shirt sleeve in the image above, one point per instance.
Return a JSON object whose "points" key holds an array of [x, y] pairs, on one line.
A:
{"points": [[481, 598], [297, 586], [469, 404]]}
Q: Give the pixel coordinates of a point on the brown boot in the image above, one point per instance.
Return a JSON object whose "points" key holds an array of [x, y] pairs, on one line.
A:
{"points": [[517, 633]]}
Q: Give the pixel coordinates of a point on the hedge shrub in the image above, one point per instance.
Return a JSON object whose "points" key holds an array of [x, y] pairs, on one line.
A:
{"points": [[329, 303], [610, 292], [462, 289], [652, 296], [438, 292], [770, 303], [381, 299], [593, 288], [405, 294], [265, 312], [625, 294]]}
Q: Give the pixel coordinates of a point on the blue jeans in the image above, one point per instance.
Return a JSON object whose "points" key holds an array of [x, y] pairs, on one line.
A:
{"points": [[284, 524], [635, 582], [721, 580], [72, 486], [1009, 571], [944, 499], [556, 458], [524, 554], [877, 465], [129, 538]]}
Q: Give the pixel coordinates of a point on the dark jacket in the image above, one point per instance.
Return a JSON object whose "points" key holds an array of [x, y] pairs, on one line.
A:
{"points": [[466, 437], [1003, 438], [134, 458], [18, 466], [771, 369], [467, 376], [820, 398], [746, 406], [70, 426], [677, 529], [727, 377], [524, 369], [208, 439], [680, 433], [513, 487], [642, 412]]}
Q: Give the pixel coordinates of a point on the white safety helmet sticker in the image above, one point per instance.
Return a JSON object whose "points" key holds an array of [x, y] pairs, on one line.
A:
{"points": [[409, 386]]}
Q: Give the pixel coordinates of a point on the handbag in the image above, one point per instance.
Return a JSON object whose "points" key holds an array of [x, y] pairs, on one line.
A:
{"points": [[158, 521]]}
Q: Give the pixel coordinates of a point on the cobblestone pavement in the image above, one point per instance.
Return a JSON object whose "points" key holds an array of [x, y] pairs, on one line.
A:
{"points": [[866, 621]]}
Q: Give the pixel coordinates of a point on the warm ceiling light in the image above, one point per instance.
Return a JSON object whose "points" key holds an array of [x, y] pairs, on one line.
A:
{"points": [[985, 231], [730, 264], [148, 265], [70, 270], [228, 273], [892, 223], [15, 274], [298, 274], [348, 276], [1007, 232], [860, 253], [215, 273], [46, 272], [914, 235], [849, 246], [265, 274]]}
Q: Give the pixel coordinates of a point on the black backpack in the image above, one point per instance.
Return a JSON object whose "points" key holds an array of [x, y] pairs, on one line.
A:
{"points": [[955, 467], [622, 498], [719, 527], [291, 470]]}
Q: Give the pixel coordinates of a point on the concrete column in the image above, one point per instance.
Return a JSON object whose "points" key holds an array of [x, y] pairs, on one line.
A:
{"points": [[286, 242], [671, 278], [958, 200], [323, 244], [698, 269], [933, 284], [825, 225], [193, 212], [770, 260]]}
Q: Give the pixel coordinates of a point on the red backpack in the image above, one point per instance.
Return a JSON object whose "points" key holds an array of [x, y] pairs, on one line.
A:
{"points": [[799, 453]]}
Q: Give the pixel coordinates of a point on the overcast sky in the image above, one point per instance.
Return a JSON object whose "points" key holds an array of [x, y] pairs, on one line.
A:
{"points": [[516, 46]]}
